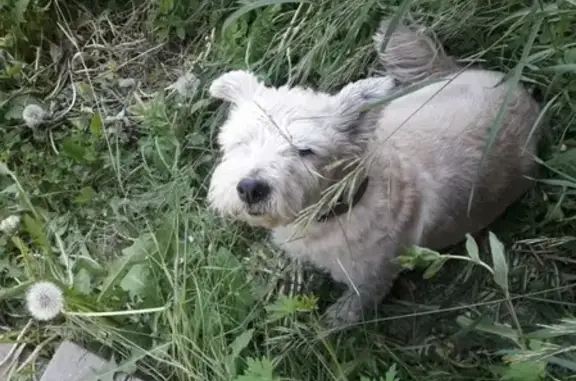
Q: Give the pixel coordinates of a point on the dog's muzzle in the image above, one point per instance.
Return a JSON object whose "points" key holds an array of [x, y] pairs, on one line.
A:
{"points": [[253, 191]]}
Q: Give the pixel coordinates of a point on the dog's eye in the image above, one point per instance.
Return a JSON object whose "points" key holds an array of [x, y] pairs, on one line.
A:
{"points": [[305, 152]]}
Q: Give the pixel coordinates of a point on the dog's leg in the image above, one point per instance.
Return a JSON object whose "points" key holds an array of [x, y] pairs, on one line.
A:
{"points": [[369, 287]]}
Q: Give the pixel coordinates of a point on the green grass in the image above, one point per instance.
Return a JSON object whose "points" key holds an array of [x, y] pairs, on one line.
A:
{"points": [[111, 194]]}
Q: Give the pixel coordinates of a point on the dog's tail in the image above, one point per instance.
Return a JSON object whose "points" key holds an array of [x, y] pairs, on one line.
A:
{"points": [[409, 55]]}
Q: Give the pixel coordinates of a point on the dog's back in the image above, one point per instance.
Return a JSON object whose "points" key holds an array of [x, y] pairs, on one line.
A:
{"points": [[442, 131]]}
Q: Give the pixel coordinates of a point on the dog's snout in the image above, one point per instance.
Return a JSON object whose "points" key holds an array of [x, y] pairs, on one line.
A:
{"points": [[252, 191]]}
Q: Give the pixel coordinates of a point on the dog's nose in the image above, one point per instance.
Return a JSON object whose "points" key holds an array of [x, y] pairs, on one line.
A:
{"points": [[252, 191]]}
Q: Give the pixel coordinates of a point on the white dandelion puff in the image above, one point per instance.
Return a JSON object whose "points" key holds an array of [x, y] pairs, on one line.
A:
{"points": [[34, 115], [10, 224], [44, 300], [125, 83]]}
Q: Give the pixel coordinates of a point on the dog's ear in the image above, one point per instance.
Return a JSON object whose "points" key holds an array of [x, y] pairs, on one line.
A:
{"points": [[358, 96], [357, 99], [235, 86]]}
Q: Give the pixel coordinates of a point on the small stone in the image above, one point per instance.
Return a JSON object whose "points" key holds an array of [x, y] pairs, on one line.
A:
{"points": [[10, 224]]}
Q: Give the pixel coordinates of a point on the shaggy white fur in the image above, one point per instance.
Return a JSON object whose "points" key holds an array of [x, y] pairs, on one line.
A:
{"points": [[278, 145]]}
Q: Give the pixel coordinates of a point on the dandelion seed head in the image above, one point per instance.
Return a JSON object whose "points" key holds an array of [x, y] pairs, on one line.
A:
{"points": [[10, 224], [44, 300], [126, 83], [33, 115]]}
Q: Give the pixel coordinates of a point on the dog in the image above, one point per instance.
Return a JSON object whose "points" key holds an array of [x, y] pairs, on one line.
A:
{"points": [[426, 148]]}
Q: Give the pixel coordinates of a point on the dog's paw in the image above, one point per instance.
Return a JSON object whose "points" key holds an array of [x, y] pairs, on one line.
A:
{"points": [[344, 312]]}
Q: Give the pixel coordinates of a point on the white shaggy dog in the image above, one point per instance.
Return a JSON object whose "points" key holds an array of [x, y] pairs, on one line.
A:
{"points": [[278, 146]]}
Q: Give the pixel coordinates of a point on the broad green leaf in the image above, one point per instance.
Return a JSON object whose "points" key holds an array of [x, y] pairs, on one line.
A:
{"points": [[499, 262], [30, 266], [565, 162], [285, 306], [15, 291], [85, 195], [83, 282], [138, 251], [240, 343], [554, 212], [236, 347], [524, 371], [485, 325], [36, 231], [4, 170], [74, 150], [560, 69], [17, 104], [563, 362], [85, 90], [570, 55], [166, 5], [391, 374], [135, 281], [20, 7], [258, 370], [14, 70], [434, 268], [96, 126], [472, 248], [10, 269], [415, 256]]}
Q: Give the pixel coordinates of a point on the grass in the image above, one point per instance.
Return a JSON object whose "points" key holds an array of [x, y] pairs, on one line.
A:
{"points": [[110, 189]]}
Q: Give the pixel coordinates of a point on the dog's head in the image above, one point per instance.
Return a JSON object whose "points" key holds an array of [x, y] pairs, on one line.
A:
{"points": [[278, 143]]}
